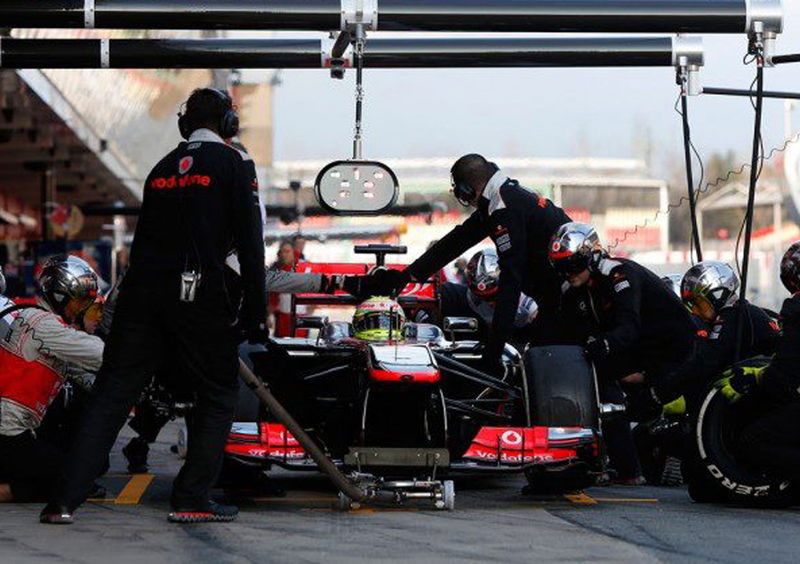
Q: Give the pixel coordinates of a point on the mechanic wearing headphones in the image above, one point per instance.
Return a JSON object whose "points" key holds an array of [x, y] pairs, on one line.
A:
{"points": [[477, 298], [773, 440], [520, 222], [199, 202], [636, 323], [38, 352]]}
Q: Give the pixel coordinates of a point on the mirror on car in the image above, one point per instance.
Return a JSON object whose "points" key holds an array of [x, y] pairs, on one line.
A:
{"points": [[460, 324], [311, 322], [356, 187], [423, 333]]}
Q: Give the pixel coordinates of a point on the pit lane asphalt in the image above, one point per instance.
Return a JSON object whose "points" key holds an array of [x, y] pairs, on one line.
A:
{"points": [[492, 521]]}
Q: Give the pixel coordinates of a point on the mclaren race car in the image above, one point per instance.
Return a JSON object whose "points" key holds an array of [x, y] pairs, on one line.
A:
{"points": [[407, 400]]}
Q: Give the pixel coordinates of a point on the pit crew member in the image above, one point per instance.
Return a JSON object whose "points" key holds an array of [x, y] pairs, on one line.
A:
{"points": [[199, 202], [39, 351], [636, 323], [710, 290], [477, 298], [773, 441], [520, 223]]}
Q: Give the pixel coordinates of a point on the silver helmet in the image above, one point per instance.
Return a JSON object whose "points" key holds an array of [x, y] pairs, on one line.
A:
{"points": [[483, 274], [574, 248], [709, 284], [673, 282], [790, 268], [67, 285], [2, 281]]}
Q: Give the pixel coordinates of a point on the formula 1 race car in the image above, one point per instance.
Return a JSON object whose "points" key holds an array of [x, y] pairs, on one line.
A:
{"points": [[414, 404]]}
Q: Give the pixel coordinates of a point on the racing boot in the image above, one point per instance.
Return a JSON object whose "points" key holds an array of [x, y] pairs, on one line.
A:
{"points": [[55, 514], [210, 513], [136, 452]]}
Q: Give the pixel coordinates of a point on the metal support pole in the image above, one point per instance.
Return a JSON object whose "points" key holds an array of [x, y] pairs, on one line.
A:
{"points": [[606, 16], [782, 59], [748, 93], [315, 53]]}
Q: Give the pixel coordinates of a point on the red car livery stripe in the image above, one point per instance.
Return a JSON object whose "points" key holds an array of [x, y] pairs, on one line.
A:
{"points": [[419, 377]]}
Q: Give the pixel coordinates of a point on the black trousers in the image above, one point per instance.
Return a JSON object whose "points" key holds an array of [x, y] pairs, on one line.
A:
{"points": [[30, 466], [773, 441], [151, 325]]}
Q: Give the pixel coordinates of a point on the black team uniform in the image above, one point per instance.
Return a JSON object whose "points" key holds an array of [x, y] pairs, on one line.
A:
{"points": [[773, 441], [200, 202], [520, 223]]}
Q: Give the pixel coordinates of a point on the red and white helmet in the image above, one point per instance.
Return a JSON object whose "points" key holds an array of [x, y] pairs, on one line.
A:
{"points": [[574, 248], [483, 274]]}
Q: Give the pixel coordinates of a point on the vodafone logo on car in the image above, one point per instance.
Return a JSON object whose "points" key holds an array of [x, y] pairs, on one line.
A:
{"points": [[512, 438], [185, 164]]}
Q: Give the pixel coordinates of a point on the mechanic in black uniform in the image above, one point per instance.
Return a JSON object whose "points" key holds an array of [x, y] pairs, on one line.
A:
{"points": [[710, 290], [520, 223], [477, 299], [773, 441], [637, 324], [199, 202]]}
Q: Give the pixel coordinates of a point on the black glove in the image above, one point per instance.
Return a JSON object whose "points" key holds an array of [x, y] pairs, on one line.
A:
{"points": [[330, 284], [388, 282], [596, 349], [358, 286]]}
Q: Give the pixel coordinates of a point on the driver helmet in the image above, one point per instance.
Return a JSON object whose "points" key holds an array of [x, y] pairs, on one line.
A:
{"points": [[67, 286], [379, 319], [673, 282], [574, 248], [483, 274], [790, 268], [708, 287]]}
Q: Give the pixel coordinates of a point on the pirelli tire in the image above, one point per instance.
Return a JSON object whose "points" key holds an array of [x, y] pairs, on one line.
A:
{"points": [[563, 392], [718, 475], [563, 387]]}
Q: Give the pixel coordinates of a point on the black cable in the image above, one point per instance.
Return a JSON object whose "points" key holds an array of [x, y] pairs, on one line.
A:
{"points": [[687, 153], [755, 167], [709, 185]]}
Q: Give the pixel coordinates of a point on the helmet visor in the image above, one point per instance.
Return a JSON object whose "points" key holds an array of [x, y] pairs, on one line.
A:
{"points": [[378, 325], [569, 266]]}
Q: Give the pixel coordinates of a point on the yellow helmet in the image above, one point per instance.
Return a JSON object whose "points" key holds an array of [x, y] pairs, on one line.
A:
{"points": [[379, 319]]}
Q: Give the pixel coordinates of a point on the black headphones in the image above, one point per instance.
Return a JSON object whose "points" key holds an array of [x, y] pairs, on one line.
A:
{"points": [[463, 192], [228, 123]]}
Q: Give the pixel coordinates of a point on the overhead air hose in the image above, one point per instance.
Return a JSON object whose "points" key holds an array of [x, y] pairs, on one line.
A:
{"points": [[751, 195], [687, 151]]}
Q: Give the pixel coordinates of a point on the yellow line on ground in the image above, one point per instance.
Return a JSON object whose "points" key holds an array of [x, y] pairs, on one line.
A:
{"points": [[625, 500], [580, 498], [133, 490]]}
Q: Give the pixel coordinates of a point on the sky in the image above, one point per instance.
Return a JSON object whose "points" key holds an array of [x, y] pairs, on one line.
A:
{"points": [[533, 112]]}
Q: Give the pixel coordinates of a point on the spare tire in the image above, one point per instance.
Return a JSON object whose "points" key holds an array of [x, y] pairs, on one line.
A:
{"points": [[563, 388], [720, 473]]}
